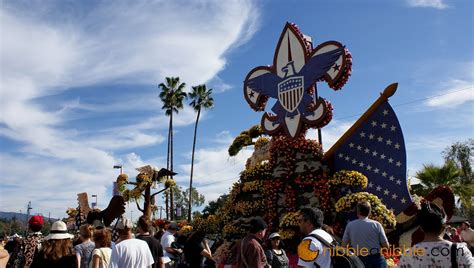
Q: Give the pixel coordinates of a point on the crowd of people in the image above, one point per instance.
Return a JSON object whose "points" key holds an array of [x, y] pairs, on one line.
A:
{"points": [[141, 246]]}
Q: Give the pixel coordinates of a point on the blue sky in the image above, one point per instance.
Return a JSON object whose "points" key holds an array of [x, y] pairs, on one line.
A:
{"points": [[79, 84]]}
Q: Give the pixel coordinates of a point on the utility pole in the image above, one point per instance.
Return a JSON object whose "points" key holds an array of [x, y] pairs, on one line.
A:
{"points": [[29, 208]]}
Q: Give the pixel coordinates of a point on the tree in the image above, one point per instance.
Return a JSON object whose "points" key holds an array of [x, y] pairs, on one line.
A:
{"points": [[214, 206], [200, 98], [172, 96], [181, 196], [461, 154]]}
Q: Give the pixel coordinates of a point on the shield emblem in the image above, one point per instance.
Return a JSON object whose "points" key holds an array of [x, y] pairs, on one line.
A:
{"points": [[290, 92]]}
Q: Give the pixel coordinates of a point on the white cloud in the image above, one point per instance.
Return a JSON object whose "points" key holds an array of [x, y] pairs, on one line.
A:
{"points": [[454, 93], [49, 48], [330, 133], [438, 4]]}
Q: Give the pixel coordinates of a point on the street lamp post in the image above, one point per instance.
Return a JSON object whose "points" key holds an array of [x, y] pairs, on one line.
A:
{"points": [[120, 167]]}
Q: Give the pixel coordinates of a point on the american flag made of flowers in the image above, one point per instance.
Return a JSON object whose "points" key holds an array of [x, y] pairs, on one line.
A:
{"points": [[377, 150]]}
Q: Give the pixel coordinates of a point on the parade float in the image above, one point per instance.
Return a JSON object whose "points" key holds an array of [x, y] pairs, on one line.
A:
{"points": [[288, 171]]}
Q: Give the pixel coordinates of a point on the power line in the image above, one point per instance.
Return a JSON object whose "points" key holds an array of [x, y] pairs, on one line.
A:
{"points": [[410, 102]]}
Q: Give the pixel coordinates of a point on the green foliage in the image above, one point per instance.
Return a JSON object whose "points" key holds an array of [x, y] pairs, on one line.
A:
{"points": [[172, 94], [462, 154], [214, 206], [181, 198], [201, 97]]}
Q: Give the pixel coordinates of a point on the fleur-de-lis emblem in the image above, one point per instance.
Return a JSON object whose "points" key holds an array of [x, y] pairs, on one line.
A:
{"points": [[291, 81]]}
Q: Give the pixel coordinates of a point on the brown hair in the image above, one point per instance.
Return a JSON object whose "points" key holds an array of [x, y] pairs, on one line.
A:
{"points": [[144, 223], [102, 238], [363, 208], [55, 249], [86, 231]]}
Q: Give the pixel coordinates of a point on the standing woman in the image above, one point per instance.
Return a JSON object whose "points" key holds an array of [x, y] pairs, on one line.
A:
{"points": [[57, 251], [196, 249], [102, 251], [84, 249], [276, 256]]}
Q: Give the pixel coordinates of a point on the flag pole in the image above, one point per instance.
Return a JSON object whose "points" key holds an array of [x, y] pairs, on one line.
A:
{"points": [[387, 93]]}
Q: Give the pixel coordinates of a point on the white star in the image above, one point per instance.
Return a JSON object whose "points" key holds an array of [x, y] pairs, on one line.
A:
{"points": [[385, 112], [354, 161], [370, 185], [390, 160], [399, 164], [379, 139], [371, 136], [393, 128], [374, 153], [403, 200], [361, 164], [367, 150], [389, 142], [397, 146], [359, 147], [399, 182], [383, 125], [376, 171], [392, 178], [362, 134], [378, 188], [341, 155], [394, 196], [369, 167], [386, 192], [374, 124], [382, 157], [384, 174], [347, 158], [351, 145]]}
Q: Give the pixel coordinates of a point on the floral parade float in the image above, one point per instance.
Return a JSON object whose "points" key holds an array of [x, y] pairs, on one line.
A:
{"points": [[287, 171]]}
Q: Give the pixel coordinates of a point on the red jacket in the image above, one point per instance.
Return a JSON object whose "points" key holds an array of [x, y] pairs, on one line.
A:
{"points": [[250, 253]]}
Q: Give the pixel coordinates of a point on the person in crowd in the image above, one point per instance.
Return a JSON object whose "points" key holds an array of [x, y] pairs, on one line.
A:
{"points": [[368, 235], [434, 251], [85, 248], [144, 226], [129, 252], [455, 237], [14, 248], [276, 256], [32, 243], [169, 253], [101, 253], [196, 249], [4, 256], [467, 235], [311, 251], [250, 253], [57, 250]]}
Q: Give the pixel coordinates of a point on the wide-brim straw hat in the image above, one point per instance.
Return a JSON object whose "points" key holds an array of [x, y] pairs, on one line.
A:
{"points": [[59, 231]]}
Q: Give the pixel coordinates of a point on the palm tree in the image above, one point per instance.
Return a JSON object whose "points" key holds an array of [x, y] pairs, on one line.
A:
{"points": [[432, 176], [201, 98], [172, 96]]}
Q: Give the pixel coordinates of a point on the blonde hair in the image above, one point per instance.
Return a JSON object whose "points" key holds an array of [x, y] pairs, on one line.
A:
{"points": [[55, 249], [86, 231]]}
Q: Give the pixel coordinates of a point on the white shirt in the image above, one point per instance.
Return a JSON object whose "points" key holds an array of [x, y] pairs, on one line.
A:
{"points": [[166, 241], [311, 251], [104, 254], [428, 254], [131, 253]]}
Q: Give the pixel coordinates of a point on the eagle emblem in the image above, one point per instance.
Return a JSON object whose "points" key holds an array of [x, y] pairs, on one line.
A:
{"points": [[292, 82]]}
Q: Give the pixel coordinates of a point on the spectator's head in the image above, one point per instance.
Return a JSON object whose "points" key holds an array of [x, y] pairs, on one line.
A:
{"points": [[363, 209], [274, 240], [144, 224], [432, 218], [102, 238], [124, 227], [86, 231], [310, 219], [258, 227], [196, 237], [465, 225], [36, 223], [172, 227]]}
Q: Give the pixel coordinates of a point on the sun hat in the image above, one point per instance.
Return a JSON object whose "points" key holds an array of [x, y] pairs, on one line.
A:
{"points": [[36, 220], [124, 223], [59, 231], [274, 235]]}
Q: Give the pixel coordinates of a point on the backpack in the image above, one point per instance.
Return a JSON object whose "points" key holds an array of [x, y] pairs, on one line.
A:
{"points": [[340, 257]]}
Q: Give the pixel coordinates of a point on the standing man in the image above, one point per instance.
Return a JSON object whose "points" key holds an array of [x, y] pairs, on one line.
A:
{"points": [[166, 240], [33, 241], [153, 243], [311, 252], [129, 252], [250, 253], [467, 235], [367, 237]]}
